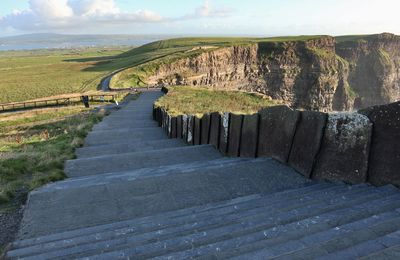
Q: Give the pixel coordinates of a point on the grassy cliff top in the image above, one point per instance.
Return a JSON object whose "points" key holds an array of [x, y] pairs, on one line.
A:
{"points": [[198, 101], [363, 37]]}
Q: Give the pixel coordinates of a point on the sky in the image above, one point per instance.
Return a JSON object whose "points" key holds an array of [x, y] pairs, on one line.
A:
{"points": [[200, 17]]}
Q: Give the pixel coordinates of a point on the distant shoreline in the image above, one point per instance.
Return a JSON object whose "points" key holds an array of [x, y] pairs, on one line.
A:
{"points": [[70, 48], [65, 42]]}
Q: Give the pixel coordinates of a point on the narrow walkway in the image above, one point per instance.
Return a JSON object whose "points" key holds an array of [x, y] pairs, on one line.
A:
{"points": [[134, 193]]}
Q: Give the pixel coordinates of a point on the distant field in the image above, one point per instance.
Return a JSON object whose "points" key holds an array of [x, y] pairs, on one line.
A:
{"points": [[27, 75], [197, 101]]}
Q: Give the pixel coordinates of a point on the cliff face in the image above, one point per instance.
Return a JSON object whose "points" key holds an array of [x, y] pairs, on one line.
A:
{"points": [[374, 69], [316, 74]]}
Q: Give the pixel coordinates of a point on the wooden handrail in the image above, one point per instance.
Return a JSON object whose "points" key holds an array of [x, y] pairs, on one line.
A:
{"points": [[56, 101]]}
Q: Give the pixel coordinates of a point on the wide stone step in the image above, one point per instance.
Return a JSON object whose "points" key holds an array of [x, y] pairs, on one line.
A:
{"points": [[127, 147], [95, 140], [392, 252], [138, 132], [234, 205], [73, 244], [104, 199], [101, 229], [137, 160], [133, 242], [353, 219], [371, 244], [201, 216], [192, 226], [132, 124], [213, 169], [308, 245], [274, 234], [130, 115]]}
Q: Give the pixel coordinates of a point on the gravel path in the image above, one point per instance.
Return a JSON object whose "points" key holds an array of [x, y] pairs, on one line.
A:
{"points": [[9, 224]]}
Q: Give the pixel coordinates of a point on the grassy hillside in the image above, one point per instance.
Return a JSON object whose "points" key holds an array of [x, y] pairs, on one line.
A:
{"points": [[147, 58], [189, 100], [29, 75]]}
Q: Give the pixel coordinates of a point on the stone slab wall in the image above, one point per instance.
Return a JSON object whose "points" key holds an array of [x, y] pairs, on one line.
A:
{"points": [[354, 147]]}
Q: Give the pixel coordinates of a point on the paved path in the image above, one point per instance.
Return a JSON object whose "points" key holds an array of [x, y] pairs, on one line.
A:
{"points": [[134, 193]]}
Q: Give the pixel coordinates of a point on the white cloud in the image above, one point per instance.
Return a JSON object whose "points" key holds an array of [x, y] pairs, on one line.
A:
{"points": [[54, 15], [93, 7], [45, 15], [207, 10]]}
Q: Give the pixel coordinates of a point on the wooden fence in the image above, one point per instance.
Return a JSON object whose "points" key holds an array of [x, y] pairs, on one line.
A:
{"points": [[58, 101]]}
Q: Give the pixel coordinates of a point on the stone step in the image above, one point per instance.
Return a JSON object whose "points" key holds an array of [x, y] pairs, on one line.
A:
{"points": [[130, 196], [137, 132], [206, 211], [132, 124], [68, 235], [317, 219], [174, 222], [137, 160], [371, 243], [392, 252], [127, 147], [225, 207], [130, 115], [95, 140], [213, 168], [132, 243], [311, 245]]}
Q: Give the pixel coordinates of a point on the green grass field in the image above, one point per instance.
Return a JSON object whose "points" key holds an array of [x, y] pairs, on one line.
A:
{"points": [[197, 101], [27, 75], [34, 146]]}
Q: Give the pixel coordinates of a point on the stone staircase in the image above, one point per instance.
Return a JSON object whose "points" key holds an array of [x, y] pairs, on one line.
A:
{"points": [[133, 193]]}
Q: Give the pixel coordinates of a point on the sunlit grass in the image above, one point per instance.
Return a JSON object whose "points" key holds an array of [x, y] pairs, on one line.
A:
{"points": [[34, 146], [197, 101], [36, 74]]}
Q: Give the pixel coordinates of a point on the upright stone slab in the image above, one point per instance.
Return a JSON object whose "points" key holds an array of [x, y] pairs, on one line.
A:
{"points": [[384, 160], [235, 131], [190, 131], [173, 127], [165, 122], [169, 126], [215, 122], [307, 141], [277, 129], [197, 131], [154, 112], [224, 133], [184, 127], [249, 138], [344, 150], [162, 118], [179, 126], [205, 129]]}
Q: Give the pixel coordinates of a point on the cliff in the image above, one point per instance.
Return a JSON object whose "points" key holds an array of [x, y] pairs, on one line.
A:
{"points": [[317, 74], [374, 68]]}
